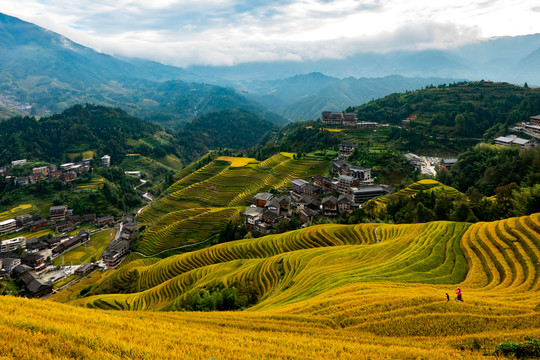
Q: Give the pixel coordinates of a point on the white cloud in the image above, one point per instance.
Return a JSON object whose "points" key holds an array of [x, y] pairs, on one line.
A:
{"points": [[231, 31]]}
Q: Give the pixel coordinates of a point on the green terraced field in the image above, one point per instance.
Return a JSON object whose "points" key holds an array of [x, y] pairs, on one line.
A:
{"points": [[425, 185], [288, 268], [202, 202]]}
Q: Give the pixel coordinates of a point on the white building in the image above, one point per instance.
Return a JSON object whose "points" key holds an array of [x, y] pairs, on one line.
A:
{"points": [[13, 244], [8, 226], [105, 160]]}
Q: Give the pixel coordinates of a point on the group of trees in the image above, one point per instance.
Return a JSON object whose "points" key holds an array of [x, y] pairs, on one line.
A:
{"points": [[218, 298]]}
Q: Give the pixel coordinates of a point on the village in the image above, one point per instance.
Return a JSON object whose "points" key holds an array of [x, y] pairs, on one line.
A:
{"points": [[29, 259]]}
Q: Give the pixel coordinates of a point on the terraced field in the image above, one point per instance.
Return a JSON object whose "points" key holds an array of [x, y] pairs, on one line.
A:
{"points": [[202, 202], [367, 291], [426, 185]]}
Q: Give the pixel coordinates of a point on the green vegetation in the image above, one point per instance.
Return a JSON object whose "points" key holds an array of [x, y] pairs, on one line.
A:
{"points": [[463, 110], [237, 129], [91, 249]]}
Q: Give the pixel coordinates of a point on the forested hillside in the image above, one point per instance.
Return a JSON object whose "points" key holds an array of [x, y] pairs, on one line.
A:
{"points": [[464, 110], [79, 129]]}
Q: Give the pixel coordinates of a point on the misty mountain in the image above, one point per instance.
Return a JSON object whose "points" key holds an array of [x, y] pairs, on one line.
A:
{"points": [[494, 59], [304, 97], [42, 72]]}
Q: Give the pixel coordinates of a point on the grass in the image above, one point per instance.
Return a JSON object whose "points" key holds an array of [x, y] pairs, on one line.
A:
{"points": [[426, 185], [93, 248]]}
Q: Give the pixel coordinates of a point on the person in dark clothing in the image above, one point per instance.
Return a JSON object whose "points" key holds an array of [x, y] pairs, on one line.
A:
{"points": [[447, 297]]}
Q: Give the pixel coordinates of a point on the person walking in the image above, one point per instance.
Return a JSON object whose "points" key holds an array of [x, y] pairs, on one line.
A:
{"points": [[458, 293]]}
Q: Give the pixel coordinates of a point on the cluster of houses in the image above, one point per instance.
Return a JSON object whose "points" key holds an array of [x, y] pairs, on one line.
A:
{"points": [[60, 217], [514, 140], [347, 119], [353, 186], [66, 172]]}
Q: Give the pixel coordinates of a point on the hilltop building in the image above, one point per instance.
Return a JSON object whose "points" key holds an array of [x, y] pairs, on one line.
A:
{"points": [[8, 226], [513, 140], [106, 160], [339, 118]]}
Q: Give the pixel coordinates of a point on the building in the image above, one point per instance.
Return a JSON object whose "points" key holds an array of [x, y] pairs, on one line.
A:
{"points": [[361, 173], [297, 185], [35, 286], [367, 125], [84, 269], [22, 180], [23, 220], [324, 182], [273, 206], [68, 176], [535, 120], [349, 119], [9, 264], [38, 225], [346, 182], [329, 206], [44, 170], [447, 163], [363, 193], [8, 226], [13, 244], [307, 202], [270, 217], [284, 203], [345, 202], [513, 140], [346, 148], [34, 260], [64, 227], [89, 218], [58, 212], [307, 214], [105, 160], [332, 118], [114, 255], [311, 189], [18, 162], [260, 199], [252, 216], [104, 220]]}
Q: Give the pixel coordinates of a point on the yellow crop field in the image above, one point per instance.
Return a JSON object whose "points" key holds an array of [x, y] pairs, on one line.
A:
{"points": [[237, 161], [16, 211], [366, 291]]}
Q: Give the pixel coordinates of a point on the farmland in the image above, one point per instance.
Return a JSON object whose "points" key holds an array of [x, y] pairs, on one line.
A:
{"points": [[351, 291], [202, 202]]}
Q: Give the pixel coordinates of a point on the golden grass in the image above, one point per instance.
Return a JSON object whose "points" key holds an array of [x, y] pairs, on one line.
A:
{"points": [[237, 161], [16, 211]]}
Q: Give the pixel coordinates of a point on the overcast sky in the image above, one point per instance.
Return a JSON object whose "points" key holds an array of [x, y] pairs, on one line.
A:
{"points": [[225, 32]]}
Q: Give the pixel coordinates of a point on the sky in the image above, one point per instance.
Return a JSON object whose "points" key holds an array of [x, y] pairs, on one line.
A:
{"points": [[228, 32]]}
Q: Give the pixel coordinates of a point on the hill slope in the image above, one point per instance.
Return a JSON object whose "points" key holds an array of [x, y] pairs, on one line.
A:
{"points": [[50, 73]]}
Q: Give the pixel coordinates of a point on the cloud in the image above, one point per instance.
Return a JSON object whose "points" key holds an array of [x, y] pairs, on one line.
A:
{"points": [[226, 32]]}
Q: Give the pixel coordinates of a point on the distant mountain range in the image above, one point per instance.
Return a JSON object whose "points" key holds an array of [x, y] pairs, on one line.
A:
{"points": [[42, 72]]}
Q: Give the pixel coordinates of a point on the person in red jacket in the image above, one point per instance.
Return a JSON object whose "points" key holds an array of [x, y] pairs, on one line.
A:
{"points": [[458, 293]]}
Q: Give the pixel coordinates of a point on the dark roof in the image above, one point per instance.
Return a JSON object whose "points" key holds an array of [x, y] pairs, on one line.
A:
{"points": [[21, 269], [308, 212], [58, 207], [39, 285], [285, 198], [32, 257], [263, 196], [329, 200], [272, 216], [272, 203], [347, 143], [27, 277], [345, 198], [311, 187], [368, 189], [120, 245]]}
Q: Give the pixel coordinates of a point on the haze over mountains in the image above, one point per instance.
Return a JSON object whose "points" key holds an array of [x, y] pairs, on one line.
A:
{"points": [[42, 72]]}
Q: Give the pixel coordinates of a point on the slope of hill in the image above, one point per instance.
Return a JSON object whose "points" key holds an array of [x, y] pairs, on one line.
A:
{"points": [[202, 202], [50, 72], [463, 110], [80, 129]]}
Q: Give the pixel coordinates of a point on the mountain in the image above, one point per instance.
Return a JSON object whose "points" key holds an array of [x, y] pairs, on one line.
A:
{"points": [[235, 129], [43, 73], [304, 97], [494, 59]]}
